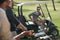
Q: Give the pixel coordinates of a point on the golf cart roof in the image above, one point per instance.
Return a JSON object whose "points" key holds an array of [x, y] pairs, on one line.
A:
{"points": [[32, 2]]}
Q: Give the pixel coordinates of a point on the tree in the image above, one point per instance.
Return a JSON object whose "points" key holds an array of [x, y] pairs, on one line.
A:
{"points": [[53, 5]]}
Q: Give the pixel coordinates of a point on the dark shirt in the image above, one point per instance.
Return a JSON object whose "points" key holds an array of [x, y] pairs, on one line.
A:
{"points": [[35, 15], [12, 19]]}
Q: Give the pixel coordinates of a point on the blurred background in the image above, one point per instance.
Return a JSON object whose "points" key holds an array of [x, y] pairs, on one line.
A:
{"points": [[55, 13]]}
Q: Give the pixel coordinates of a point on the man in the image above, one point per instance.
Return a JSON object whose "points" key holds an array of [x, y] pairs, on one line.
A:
{"points": [[5, 33], [12, 19], [35, 15]]}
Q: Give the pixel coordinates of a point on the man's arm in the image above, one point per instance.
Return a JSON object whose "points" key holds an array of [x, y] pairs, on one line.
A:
{"points": [[22, 27], [5, 33], [24, 33], [32, 18], [14, 20]]}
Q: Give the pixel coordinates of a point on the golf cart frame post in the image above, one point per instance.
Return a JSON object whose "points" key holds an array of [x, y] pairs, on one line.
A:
{"points": [[20, 6], [48, 12], [42, 10], [20, 10]]}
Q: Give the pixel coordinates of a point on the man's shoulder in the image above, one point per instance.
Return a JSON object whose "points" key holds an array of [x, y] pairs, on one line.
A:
{"points": [[33, 12], [2, 11], [9, 11], [8, 8]]}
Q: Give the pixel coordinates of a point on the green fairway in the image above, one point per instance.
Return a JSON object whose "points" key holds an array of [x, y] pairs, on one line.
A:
{"points": [[55, 14]]}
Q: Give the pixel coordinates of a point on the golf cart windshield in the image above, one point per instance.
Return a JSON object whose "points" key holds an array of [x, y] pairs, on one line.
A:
{"points": [[27, 8]]}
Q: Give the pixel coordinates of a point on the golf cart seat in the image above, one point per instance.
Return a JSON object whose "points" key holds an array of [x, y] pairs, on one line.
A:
{"points": [[22, 19]]}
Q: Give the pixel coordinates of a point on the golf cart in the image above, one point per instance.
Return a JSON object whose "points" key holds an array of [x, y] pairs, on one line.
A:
{"points": [[50, 28]]}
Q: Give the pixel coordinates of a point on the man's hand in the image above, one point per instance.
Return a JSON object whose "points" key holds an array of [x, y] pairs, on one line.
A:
{"points": [[22, 27], [24, 33], [30, 33]]}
